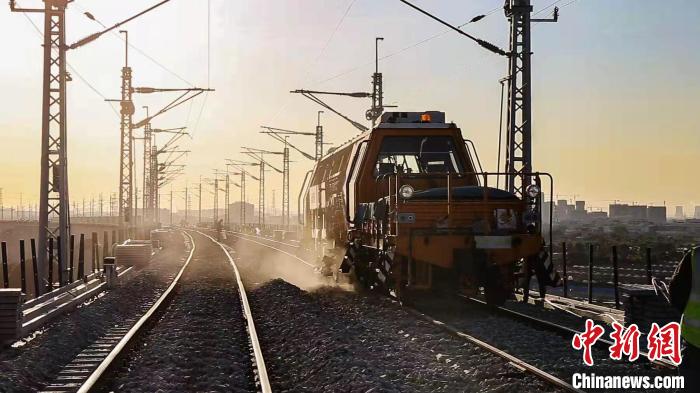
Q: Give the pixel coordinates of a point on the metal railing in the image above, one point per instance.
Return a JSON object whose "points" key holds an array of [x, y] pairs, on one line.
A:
{"points": [[536, 204]]}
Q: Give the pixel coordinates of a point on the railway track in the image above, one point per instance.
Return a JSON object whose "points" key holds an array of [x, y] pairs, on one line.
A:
{"points": [[518, 363], [203, 315], [557, 328]]}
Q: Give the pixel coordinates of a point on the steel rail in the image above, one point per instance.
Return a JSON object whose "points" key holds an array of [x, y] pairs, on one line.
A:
{"points": [[96, 377], [252, 333], [242, 236], [267, 239], [523, 365], [562, 330], [518, 363]]}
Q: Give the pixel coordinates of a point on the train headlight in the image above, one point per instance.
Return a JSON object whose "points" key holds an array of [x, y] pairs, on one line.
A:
{"points": [[533, 191], [406, 191]]}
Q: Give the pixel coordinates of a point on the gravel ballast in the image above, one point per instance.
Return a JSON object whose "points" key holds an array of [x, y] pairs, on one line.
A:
{"points": [[546, 350], [334, 340], [200, 343], [29, 367]]}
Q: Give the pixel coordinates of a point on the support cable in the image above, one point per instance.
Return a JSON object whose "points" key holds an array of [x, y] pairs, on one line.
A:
{"points": [[484, 44]]}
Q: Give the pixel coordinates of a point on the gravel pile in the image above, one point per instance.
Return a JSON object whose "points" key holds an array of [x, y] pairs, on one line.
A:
{"points": [[331, 340], [27, 368], [544, 349], [200, 343]]}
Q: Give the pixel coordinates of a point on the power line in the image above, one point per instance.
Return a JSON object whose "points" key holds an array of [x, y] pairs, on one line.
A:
{"points": [[318, 57], [206, 95], [208, 43], [427, 39], [335, 31], [404, 49], [547, 7], [73, 69], [137, 49]]}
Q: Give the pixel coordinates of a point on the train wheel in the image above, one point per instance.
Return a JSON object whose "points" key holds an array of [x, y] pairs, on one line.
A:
{"points": [[494, 290]]}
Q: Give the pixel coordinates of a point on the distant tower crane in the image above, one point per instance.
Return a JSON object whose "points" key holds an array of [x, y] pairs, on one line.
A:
{"points": [[53, 199]]}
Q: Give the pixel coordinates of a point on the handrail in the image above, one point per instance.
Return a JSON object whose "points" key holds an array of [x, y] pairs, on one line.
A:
{"points": [[351, 172], [300, 220], [485, 176], [478, 161]]}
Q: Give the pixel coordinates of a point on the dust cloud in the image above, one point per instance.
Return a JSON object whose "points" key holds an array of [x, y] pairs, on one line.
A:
{"points": [[259, 264]]}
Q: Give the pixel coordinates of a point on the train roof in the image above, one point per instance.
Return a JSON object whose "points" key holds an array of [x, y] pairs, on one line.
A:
{"points": [[426, 119], [405, 120]]}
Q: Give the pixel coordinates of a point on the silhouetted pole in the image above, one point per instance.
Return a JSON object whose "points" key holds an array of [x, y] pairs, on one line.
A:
{"points": [[37, 290], [649, 265], [22, 267], [563, 265], [49, 282], [615, 277], [5, 272], [81, 256], [590, 273], [72, 258]]}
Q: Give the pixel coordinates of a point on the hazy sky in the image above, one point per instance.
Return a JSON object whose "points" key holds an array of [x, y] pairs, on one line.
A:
{"points": [[615, 86]]}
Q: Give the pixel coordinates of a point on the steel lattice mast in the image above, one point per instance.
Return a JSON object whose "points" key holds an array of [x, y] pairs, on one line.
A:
{"points": [[227, 201], [285, 184], [260, 155], [126, 145], [319, 138], [243, 173], [147, 204], [54, 214], [243, 198], [282, 136], [54, 201], [519, 120]]}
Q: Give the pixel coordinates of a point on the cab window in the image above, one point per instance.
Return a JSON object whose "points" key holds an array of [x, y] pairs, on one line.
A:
{"points": [[417, 154]]}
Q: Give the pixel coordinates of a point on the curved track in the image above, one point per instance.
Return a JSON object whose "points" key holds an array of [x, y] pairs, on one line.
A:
{"points": [[198, 335]]}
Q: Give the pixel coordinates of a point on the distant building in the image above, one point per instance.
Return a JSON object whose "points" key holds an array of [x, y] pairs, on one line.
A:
{"points": [[628, 212], [580, 210], [546, 206], [697, 213], [679, 213], [561, 210], [656, 214], [235, 211], [639, 212], [597, 215]]}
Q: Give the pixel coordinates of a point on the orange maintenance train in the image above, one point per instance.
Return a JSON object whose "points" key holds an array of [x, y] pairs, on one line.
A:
{"points": [[402, 208]]}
